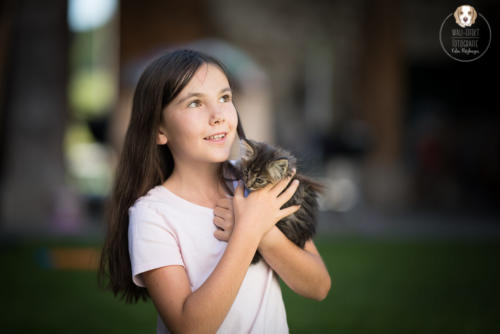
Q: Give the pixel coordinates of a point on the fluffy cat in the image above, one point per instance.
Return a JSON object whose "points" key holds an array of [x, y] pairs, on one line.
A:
{"points": [[261, 164]]}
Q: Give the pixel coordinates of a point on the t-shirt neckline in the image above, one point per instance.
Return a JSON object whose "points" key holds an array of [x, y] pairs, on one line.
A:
{"points": [[183, 201]]}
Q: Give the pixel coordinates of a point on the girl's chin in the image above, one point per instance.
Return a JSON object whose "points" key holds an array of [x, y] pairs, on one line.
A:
{"points": [[221, 158], [218, 156]]}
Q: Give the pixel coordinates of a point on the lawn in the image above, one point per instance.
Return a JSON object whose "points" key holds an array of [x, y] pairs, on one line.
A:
{"points": [[379, 286]]}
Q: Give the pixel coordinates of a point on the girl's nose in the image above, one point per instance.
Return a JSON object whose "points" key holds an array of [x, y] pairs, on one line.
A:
{"points": [[216, 115]]}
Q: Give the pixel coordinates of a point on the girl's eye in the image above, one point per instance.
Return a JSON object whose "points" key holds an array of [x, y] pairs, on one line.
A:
{"points": [[194, 104], [225, 98]]}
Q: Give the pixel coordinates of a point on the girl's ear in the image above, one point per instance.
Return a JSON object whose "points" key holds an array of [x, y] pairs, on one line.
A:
{"points": [[161, 138]]}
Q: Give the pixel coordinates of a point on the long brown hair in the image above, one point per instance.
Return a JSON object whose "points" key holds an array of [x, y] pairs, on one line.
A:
{"points": [[143, 164]]}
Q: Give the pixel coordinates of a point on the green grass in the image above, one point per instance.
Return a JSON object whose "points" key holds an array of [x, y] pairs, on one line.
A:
{"points": [[403, 287], [378, 287]]}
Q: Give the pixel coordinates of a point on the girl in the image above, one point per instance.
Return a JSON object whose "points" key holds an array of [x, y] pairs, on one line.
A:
{"points": [[176, 235]]}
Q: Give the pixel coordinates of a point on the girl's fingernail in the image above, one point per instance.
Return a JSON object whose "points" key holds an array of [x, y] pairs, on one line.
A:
{"points": [[296, 181]]}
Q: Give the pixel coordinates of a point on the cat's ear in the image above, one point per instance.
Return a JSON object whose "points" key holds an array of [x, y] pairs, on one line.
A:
{"points": [[246, 150], [278, 168]]}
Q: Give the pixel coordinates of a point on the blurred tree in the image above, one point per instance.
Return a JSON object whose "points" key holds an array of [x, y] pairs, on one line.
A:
{"points": [[33, 195], [381, 94]]}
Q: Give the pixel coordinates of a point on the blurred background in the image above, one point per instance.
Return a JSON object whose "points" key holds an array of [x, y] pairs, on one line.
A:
{"points": [[405, 138]]}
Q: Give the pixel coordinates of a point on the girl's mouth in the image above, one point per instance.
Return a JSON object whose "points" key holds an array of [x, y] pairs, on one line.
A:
{"points": [[217, 138]]}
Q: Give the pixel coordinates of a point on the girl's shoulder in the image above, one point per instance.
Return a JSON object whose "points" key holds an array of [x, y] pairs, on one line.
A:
{"points": [[153, 208], [150, 201]]}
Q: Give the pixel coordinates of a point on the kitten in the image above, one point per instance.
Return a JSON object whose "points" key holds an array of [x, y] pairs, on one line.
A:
{"points": [[261, 164]]}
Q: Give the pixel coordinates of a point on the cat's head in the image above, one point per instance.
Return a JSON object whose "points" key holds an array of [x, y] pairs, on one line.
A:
{"points": [[261, 163]]}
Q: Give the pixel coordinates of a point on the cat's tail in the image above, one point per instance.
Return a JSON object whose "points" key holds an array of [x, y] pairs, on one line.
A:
{"points": [[315, 186]]}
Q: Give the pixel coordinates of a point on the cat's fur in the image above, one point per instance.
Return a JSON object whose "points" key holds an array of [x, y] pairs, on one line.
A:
{"points": [[261, 164]]}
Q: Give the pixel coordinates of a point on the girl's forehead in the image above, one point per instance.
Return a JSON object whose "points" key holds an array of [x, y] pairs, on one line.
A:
{"points": [[208, 75]]}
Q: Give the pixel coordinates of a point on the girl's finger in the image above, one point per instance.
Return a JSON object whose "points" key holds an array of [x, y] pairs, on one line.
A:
{"points": [[224, 202], [223, 224], [238, 192], [219, 222], [222, 212], [288, 211], [220, 235], [281, 185], [288, 193]]}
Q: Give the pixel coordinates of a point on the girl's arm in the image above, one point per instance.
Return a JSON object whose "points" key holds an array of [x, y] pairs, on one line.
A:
{"points": [[203, 310], [302, 270]]}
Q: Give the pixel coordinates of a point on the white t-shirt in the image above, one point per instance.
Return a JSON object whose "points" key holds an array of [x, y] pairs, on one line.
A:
{"points": [[165, 229]]}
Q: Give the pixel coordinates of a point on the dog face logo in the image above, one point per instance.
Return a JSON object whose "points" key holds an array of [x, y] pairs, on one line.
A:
{"points": [[470, 40], [465, 16]]}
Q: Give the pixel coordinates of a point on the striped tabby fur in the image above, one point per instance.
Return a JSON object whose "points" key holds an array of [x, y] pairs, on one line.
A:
{"points": [[261, 164]]}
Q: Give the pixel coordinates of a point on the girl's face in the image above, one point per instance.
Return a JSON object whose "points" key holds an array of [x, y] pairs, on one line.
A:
{"points": [[202, 109]]}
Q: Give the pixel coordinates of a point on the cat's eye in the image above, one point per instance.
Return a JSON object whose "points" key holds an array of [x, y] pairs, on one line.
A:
{"points": [[259, 180]]}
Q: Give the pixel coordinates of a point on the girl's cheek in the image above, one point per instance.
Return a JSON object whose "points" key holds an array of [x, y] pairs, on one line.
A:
{"points": [[232, 115]]}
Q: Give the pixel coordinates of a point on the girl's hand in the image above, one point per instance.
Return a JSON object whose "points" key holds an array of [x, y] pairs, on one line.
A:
{"points": [[260, 210], [224, 218]]}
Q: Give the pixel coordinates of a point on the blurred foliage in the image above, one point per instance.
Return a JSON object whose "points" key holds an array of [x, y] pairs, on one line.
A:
{"points": [[88, 161], [77, 132], [92, 93]]}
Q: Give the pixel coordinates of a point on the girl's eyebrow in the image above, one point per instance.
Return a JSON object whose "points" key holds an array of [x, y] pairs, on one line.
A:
{"points": [[227, 89]]}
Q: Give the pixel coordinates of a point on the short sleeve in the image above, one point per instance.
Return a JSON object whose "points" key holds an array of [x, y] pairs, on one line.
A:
{"points": [[152, 242]]}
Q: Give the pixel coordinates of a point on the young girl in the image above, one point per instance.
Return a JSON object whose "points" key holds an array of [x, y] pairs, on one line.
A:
{"points": [[176, 234]]}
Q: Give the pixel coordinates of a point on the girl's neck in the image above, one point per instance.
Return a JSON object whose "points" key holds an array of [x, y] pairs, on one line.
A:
{"points": [[197, 184]]}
